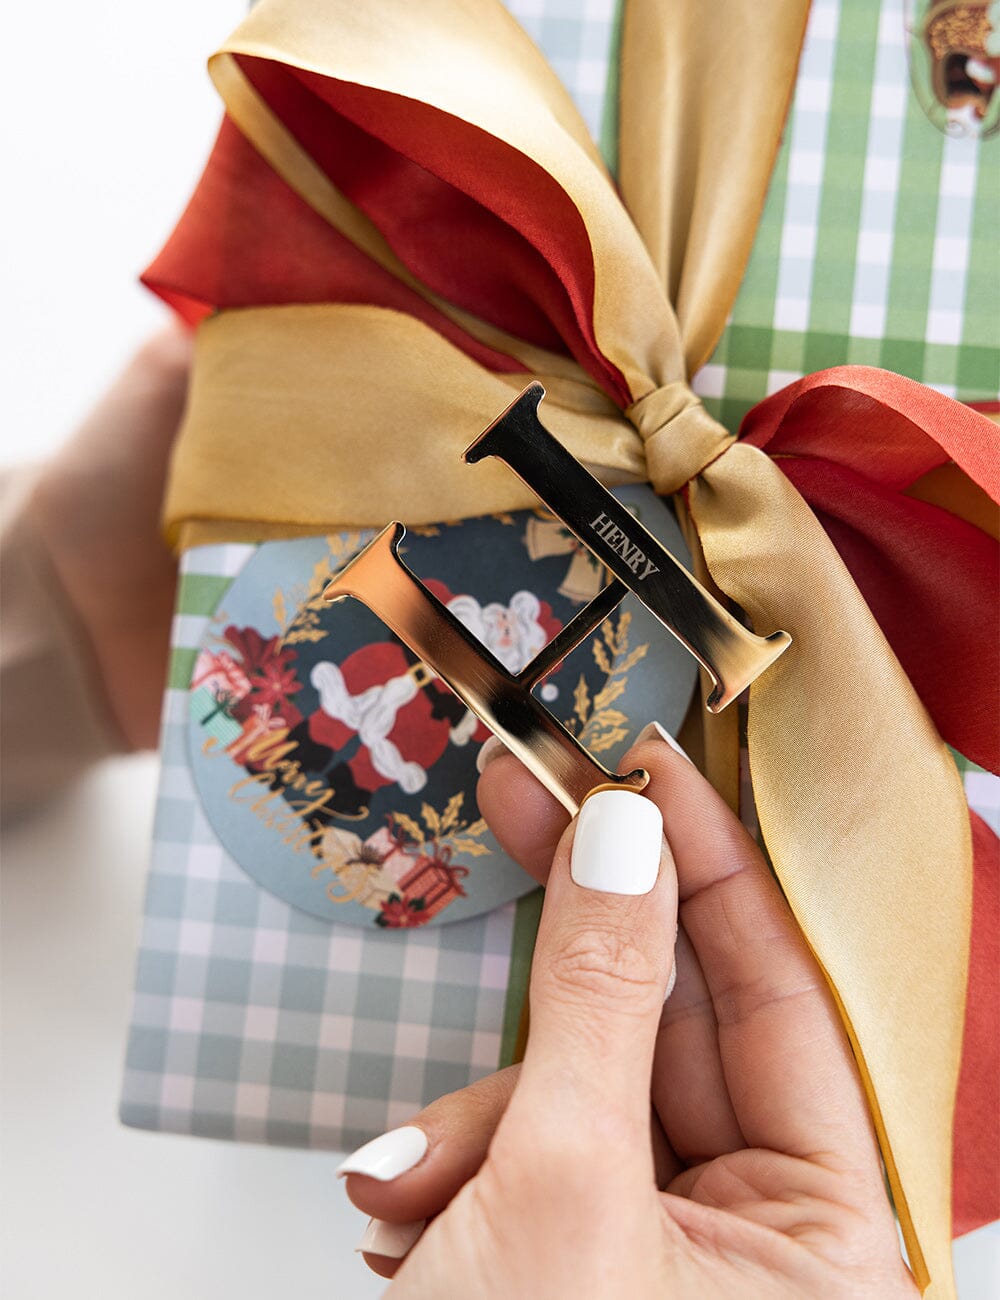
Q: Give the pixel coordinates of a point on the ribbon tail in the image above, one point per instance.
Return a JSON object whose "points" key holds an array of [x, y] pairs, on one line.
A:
{"points": [[977, 1112], [864, 817]]}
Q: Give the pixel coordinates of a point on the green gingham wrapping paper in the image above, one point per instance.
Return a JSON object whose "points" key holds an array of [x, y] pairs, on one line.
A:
{"points": [[877, 245], [253, 1020]]}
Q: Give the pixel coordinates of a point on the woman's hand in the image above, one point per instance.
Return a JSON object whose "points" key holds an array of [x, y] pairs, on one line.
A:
{"points": [[96, 509], [755, 1173]]}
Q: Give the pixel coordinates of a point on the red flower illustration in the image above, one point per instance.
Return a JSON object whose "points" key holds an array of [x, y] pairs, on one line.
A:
{"points": [[254, 650], [273, 683], [270, 676], [401, 914]]}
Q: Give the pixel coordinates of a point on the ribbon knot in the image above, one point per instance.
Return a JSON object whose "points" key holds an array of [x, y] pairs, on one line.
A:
{"points": [[679, 436]]}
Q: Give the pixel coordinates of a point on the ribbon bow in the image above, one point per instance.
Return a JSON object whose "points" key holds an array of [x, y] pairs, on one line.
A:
{"points": [[403, 216]]}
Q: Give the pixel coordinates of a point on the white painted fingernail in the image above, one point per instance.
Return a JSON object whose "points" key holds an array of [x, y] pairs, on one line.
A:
{"points": [[617, 845], [394, 1240], [387, 1156], [654, 729], [488, 751]]}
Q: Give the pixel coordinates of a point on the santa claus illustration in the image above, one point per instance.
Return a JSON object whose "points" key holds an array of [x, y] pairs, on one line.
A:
{"points": [[403, 716]]}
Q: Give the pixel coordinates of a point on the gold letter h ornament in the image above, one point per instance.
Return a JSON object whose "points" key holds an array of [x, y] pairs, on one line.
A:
{"points": [[732, 655]]}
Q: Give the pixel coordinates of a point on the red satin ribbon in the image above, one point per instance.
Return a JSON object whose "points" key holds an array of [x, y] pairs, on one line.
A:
{"points": [[852, 440]]}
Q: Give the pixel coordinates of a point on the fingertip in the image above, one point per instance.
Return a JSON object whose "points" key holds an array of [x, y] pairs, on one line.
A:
{"points": [[656, 731], [703, 832], [381, 1200], [387, 1156], [662, 760], [491, 748], [389, 1242], [525, 818], [457, 1129], [381, 1265], [618, 844], [528, 821]]}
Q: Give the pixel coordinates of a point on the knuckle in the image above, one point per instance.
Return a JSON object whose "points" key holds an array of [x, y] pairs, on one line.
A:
{"points": [[735, 1004], [605, 966], [680, 1010]]}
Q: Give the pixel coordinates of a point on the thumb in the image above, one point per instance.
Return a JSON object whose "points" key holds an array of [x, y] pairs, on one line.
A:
{"points": [[603, 957]]}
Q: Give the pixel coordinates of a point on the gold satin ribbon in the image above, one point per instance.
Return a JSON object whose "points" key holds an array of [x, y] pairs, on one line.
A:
{"points": [[705, 92], [281, 438], [865, 820], [861, 808]]}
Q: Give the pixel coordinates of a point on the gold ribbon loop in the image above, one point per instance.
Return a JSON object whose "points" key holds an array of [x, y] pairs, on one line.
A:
{"points": [[679, 435], [308, 417]]}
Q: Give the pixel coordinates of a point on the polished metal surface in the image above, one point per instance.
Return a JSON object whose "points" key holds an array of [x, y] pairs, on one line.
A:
{"points": [[732, 655], [378, 577]]}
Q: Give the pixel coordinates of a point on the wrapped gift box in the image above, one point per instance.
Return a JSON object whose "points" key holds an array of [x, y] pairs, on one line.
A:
{"points": [[257, 1019]]}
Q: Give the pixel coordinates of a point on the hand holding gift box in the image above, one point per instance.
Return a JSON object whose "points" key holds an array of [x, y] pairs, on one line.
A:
{"points": [[797, 521]]}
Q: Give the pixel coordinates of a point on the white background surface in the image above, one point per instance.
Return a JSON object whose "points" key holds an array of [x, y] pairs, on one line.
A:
{"points": [[108, 116], [91, 1210]]}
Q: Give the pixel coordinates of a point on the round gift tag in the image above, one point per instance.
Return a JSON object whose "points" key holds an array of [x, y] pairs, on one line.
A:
{"points": [[340, 773]]}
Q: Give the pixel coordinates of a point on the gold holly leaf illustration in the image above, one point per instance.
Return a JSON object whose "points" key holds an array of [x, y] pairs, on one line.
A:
{"points": [[304, 634], [431, 819], [608, 738], [617, 638], [581, 700], [409, 827], [628, 664], [477, 828], [320, 577], [474, 848], [342, 546], [279, 610], [609, 693], [604, 726], [452, 808], [600, 656]]}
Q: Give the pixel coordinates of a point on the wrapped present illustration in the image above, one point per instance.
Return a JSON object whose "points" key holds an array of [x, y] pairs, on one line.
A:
{"points": [[430, 885]]}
